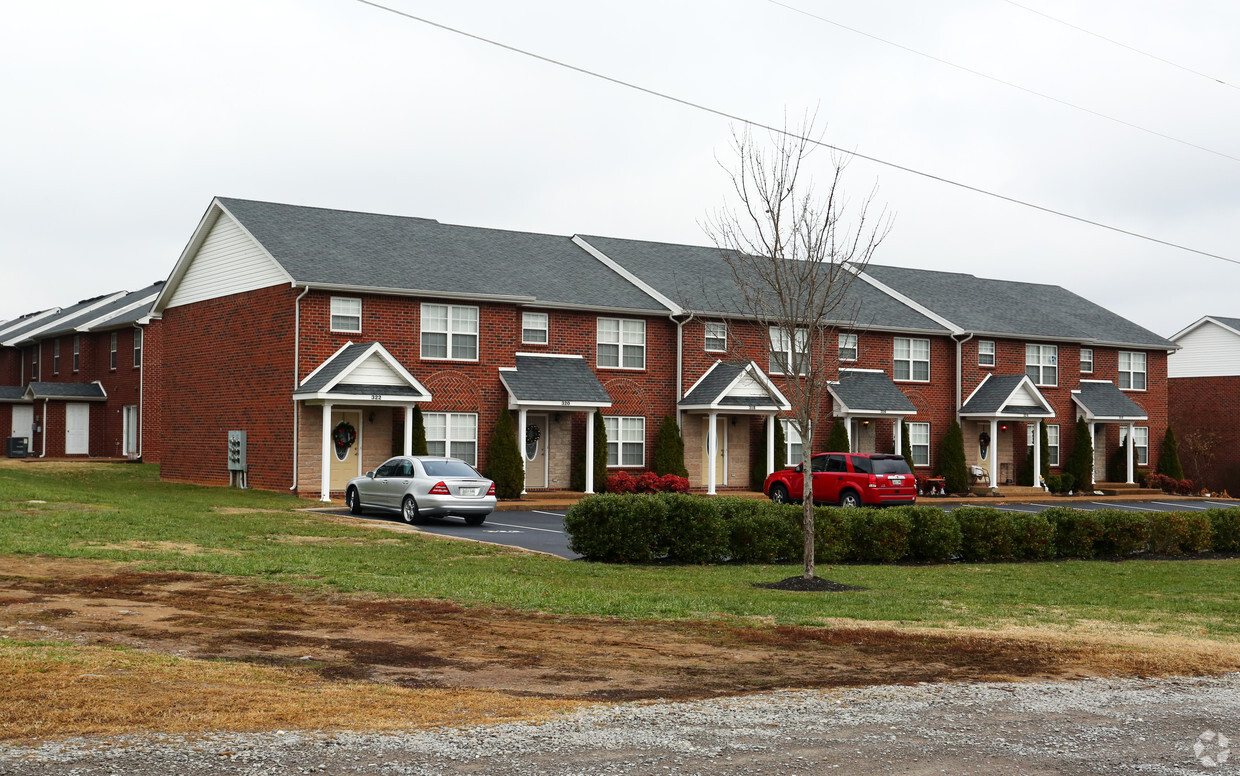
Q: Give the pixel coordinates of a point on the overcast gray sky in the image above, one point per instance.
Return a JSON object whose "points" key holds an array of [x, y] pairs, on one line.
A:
{"points": [[122, 120]]}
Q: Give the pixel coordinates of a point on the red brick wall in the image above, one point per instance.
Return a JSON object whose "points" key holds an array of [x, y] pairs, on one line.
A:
{"points": [[1205, 414], [152, 390]]}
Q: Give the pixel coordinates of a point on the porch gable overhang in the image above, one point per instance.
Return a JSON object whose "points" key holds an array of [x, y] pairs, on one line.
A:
{"points": [[552, 381], [1101, 401], [13, 394], [1006, 397], [363, 373], [734, 386], [65, 391], [868, 392]]}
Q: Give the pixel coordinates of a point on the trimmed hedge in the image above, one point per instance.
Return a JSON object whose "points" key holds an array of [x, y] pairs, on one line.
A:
{"points": [[684, 528]]}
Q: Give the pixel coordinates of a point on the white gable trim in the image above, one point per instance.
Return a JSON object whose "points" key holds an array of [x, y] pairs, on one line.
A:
{"points": [[616, 267], [375, 349], [774, 398], [19, 322], [1204, 320], [1026, 386], [54, 321], [116, 313]]}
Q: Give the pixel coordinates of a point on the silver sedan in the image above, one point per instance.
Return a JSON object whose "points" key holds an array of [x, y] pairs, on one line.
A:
{"points": [[423, 486]]}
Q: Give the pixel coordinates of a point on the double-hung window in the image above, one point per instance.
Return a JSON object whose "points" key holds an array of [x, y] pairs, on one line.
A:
{"points": [[77, 347], [789, 353], [137, 348], [453, 434], [1131, 371], [716, 335], [1042, 364], [34, 362], [848, 347], [112, 352], [450, 331], [792, 442], [626, 441], [911, 360], [919, 443], [1140, 443], [1087, 360], [985, 352], [346, 314], [1052, 442], [621, 343], [55, 357], [534, 328]]}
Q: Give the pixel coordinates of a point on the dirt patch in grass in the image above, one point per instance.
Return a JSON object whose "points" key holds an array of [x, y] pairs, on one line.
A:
{"points": [[347, 661], [180, 548]]}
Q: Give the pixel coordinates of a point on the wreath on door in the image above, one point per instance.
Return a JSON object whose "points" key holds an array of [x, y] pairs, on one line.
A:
{"points": [[983, 441], [344, 434], [532, 434]]}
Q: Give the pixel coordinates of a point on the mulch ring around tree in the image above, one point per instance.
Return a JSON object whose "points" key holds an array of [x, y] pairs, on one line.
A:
{"points": [[811, 585]]}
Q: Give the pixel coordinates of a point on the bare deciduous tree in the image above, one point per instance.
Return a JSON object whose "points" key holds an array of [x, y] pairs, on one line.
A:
{"points": [[794, 252]]}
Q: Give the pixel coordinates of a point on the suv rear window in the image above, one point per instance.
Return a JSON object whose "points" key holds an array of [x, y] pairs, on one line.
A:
{"points": [[890, 466]]}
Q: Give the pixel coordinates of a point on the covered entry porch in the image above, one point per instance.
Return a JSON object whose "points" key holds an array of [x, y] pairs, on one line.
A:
{"points": [[861, 399], [1101, 403], [988, 420]]}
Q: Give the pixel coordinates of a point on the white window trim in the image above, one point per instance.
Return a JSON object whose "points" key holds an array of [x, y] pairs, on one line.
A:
{"points": [[621, 444], [137, 348], [56, 357], [112, 353], [791, 429], [620, 344], [545, 328], [76, 350], [422, 330], [855, 347], [706, 336], [913, 447], [910, 360], [34, 362], [333, 314], [1130, 372], [448, 439], [1041, 365], [991, 353], [787, 348], [1052, 443], [1089, 371]]}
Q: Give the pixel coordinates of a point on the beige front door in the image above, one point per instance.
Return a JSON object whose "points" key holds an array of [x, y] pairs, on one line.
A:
{"points": [[1100, 454], [720, 452], [863, 436], [537, 438], [346, 460]]}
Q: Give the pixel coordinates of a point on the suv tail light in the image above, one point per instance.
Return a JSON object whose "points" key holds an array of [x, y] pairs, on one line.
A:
{"points": [[873, 481], [491, 490], [440, 489]]}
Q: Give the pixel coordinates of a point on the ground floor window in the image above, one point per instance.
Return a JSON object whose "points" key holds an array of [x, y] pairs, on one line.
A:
{"points": [[1052, 442], [626, 441], [1140, 443], [919, 443], [792, 443], [453, 434]]}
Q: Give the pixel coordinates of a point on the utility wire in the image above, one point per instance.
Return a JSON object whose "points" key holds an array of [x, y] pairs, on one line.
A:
{"points": [[1123, 45], [771, 128], [1008, 84]]}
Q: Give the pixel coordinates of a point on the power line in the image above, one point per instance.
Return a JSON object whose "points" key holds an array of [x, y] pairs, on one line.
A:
{"points": [[1008, 84], [1123, 45], [771, 128]]}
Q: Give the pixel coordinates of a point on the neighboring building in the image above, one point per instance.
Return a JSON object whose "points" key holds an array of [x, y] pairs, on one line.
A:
{"points": [[1204, 401], [77, 381], [317, 331]]}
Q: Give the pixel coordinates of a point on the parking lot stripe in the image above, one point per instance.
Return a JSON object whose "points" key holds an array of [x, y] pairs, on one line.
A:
{"points": [[1122, 506], [525, 527], [1178, 506], [1025, 511], [540, 512]]}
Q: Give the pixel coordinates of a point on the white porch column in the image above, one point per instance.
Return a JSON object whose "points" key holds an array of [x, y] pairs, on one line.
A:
{"points": [[1093, 441], [712, 448], [847, 433], [589, 452], [898, 425], [994, 452], [1131, 448], [770, 444], [521, 431], [409, 429], [325, 489], [1037, 454]]}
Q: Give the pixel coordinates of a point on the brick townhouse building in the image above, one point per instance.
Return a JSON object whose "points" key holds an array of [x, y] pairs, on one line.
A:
{"points": [[317, 331], [83, 380], [1203, 400]]}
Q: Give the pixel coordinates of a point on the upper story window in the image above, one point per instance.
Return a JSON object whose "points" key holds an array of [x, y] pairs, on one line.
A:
{"points": [[716, 335], [985, 352], [1131, 371], [77, 348], [1042, 364], [137, 347], [112, 352], [621, 343], [911, 359], [347, 314], [789, 354], [1087, 360], [34, 363], [848, 347], [534, 328], [55, 357], [450, 331]]}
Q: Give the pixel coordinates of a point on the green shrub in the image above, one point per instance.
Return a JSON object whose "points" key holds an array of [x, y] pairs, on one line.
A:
{"points": [[1080, 462], [577, 475], [1169, 457], [934, 535], [1225, 524], [761, 533], [950, 463], [617, 528], [985, 534], [906, 446], [669, 450], [1123, 532], [830, 539], [504, 466], [419, 432], [1177, 533], [1033, 538], [693, 530], [876, 535], [1076, 530], [837, 439]]}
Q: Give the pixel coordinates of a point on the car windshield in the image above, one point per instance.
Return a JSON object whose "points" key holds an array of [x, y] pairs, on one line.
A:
{"points": [[448, 469], [890, 466]]}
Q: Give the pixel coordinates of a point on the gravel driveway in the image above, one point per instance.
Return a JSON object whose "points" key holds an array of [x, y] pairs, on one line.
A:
{"points": [[1083, 727]]}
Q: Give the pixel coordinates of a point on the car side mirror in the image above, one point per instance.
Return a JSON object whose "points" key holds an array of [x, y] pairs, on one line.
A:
{"points": [[800, 468], [371, 475]]}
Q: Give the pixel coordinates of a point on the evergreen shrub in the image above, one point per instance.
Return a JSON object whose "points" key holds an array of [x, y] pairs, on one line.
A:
{"points": [[934, 535], [1123, 532], [985, 534], [1180, 533], [1225, 526], [876, 535], [1076, 530]]}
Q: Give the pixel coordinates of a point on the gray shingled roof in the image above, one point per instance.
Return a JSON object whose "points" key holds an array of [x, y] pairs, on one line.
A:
{"points": [[1232, 322], [870, 392], [1005, 307], [79, 391], [552, 380], [343, 248], [68, 323], [1105, 401], [698, 278], [12, 393], [339, 363], [991, 398], [711, 388], [18, 336]]}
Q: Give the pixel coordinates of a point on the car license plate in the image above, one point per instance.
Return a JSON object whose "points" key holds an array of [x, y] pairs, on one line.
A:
{"points": [[897, 480], [469, 491]]}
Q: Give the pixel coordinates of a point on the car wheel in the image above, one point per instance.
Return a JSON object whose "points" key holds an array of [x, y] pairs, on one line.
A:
{"points": [[779, 494], [849, 498], [474, 519], [353, 500], [409, 511]]}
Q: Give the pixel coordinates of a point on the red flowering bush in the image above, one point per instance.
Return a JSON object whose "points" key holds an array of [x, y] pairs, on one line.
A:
{"points": [[646, 482], [621, 482], [1184, 487], [671, 483]]}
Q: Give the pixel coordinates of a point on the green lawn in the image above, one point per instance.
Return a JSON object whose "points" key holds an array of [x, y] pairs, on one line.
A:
{"points": [[105, 511]]}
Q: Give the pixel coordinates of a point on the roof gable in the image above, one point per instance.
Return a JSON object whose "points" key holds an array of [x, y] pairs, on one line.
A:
{"points": [[364, 372], [1007, 396], [1100, 400], [548, 380], [734, 385], [868, 392]]}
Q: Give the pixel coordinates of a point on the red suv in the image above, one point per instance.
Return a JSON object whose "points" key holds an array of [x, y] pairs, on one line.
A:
{"points": [[848, 479]]}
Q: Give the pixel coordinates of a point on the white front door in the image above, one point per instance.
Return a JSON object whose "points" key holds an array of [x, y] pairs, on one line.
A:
{"points": [[130, 430], [537, 438], [77, 429], [23, 421], [346, 458]]}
